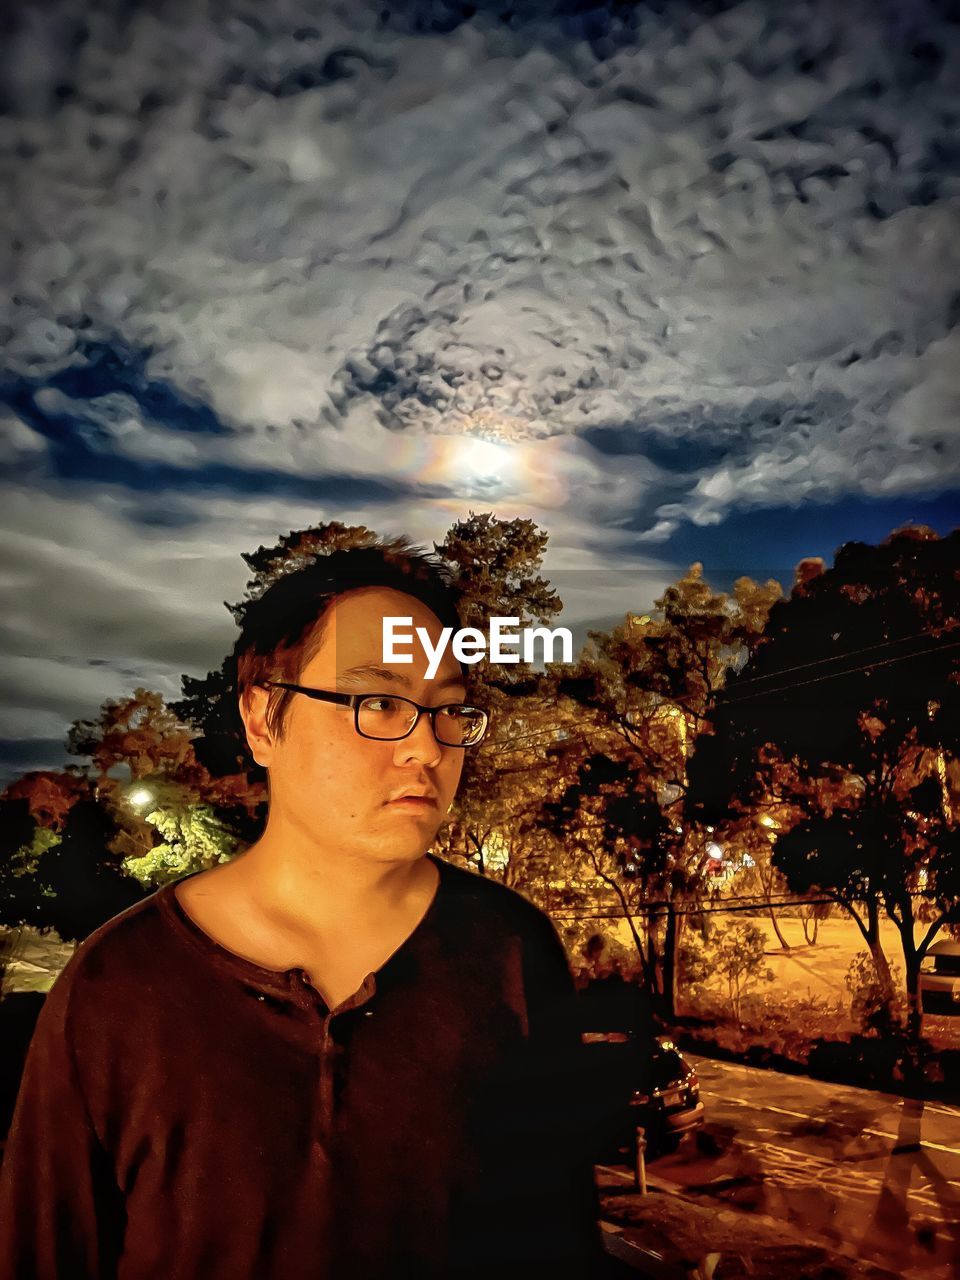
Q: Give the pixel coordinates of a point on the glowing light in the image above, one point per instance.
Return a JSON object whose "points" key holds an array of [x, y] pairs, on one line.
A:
{"points": [[487, 467], [140, 798], [483, 461], [715, 852]]}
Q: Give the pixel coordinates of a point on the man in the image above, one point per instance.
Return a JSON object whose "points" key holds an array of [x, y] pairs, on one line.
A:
{"points": [[336, 1056]]}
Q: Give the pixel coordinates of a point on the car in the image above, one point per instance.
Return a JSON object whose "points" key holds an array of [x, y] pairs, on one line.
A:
{"points": [[641, 1082], [940, 978]]}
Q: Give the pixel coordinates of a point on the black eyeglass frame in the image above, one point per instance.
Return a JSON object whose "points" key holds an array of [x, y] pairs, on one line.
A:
{"points": [[355, 699]]}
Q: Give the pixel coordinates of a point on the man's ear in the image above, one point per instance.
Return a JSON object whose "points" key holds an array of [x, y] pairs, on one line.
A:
{"points": [[253, 712]]}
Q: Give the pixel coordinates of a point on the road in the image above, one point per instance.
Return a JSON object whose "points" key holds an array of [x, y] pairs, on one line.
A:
{"points": [[875, 1176]]}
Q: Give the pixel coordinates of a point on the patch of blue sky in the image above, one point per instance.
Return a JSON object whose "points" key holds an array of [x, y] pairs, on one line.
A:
{"points": [[769, 542]]}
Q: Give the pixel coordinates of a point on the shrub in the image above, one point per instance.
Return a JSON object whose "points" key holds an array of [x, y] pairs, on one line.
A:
{"points": [[876, 1009], [734, 956], [597, 954]]}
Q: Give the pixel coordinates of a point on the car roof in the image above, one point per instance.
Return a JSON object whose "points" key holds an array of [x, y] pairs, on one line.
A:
{"points": [[948, 947], [656, 1044]]}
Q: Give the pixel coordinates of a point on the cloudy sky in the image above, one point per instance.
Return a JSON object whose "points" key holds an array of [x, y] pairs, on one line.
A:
{"points": [[680, 281]]}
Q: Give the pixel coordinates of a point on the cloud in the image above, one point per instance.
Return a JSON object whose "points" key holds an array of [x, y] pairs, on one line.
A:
{"points": [[626, 271], [91, 617], [141, 601], [21, 443]]}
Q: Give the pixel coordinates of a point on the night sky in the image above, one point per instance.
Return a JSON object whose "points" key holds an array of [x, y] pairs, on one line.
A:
{"points": [[679, 281]]}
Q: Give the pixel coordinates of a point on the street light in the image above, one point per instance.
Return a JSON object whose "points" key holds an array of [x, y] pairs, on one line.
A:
{"points": [[140, 798]]}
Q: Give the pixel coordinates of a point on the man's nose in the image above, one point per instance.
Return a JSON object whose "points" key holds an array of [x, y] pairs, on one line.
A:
{"points": [[421, 744]]}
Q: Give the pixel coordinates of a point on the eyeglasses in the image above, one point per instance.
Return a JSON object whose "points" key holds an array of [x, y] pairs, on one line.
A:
{"points": [[389, 718]]}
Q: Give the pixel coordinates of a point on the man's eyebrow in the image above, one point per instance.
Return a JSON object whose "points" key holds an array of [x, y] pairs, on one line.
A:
{"points": [[450, 680], [372, 671]]}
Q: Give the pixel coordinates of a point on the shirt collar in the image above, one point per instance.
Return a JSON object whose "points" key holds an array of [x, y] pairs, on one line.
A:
{"points": [[289, 981]]}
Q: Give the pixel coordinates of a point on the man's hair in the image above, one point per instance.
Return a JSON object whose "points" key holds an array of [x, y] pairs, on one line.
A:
{"points": [[282, 629]]}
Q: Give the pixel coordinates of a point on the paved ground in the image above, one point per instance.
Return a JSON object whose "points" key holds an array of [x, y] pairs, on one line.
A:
{"points": [[663, 1236], [874, 1175]]}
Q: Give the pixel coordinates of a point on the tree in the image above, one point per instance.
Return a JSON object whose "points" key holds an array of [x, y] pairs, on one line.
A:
{"points": [[757, 876], [614, 825], [77, 884], [849, 709], [643, 693], [209, 703], [33, 813], [140, 732], [496, 565], [19, 851], [738, 959], [493, 826], [193, 839], [49, 794], [496, 569]]}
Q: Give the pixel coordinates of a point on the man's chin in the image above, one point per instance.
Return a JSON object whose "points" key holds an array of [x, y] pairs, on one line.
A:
{"points": [[403, 846]]}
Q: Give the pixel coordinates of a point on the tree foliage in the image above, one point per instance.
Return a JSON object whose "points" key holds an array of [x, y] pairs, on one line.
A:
{"points": [[496, 567], [209, 702], [849, 709], [71, 883], [638, 698]]}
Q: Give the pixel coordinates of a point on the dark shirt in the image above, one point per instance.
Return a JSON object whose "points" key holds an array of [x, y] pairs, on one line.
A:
{"points": [[186, 1113]]}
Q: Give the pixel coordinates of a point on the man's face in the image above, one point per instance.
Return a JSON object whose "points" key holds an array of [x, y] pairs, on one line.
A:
{"points": [[331, 787]]}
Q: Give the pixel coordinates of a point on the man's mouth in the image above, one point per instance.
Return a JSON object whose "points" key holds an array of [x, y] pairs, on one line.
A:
{"points": [[415, 799]]}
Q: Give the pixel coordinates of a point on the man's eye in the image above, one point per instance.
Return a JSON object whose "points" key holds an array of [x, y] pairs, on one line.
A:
{"points": [[383, 705]]}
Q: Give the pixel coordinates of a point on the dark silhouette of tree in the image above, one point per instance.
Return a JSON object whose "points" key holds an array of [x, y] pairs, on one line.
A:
{"points": [[81, 884], [19, 896], [612, 819], [64, 877], [50, 793], [849, 711]]}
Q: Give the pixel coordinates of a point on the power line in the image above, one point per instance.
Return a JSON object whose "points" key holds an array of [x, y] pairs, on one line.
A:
{"points": [[780, 899], [733, 897], [730, 698], [688, 911], [846, 653], [734, 695]]}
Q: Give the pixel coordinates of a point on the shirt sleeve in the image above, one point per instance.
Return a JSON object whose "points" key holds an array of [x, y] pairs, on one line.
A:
{"points": [[540, 1212], [60, 1209]]}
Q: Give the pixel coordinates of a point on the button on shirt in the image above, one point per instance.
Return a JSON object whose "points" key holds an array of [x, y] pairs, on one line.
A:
{"points": [[184, 1112]]}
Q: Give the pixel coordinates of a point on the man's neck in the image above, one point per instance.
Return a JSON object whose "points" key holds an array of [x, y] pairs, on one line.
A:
{"points": [[315, 890]]}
